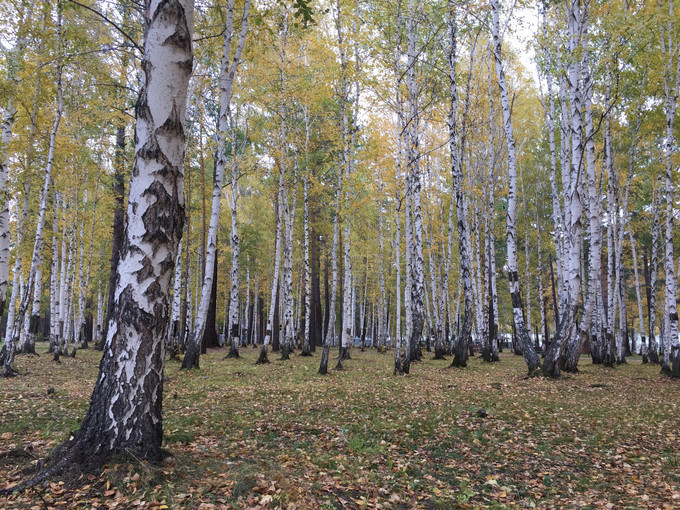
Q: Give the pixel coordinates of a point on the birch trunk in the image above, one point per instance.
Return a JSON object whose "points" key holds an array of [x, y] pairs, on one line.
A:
{"points": [[654, 271], [174, 328], [330, 331], [54, 281], [415, 239], [275, 279], [308, 272], [671, 79], [227, 74], [32, 322], [594, 228], [15, 57], [125, 413], [465, 275], [397, 256], [530, 356]]}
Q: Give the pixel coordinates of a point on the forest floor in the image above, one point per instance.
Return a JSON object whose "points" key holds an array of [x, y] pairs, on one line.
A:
{"points": [[280, 436]]}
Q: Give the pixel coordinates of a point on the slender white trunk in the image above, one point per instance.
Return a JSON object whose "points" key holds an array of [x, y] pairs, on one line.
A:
{"points": [[175, 313], [417, 288], [54, 279], [530, 356], [228, 70], [308, 272], [275, 277], [31, 324], [671, 80], [654, 271], [593, 214], [397, 258]]}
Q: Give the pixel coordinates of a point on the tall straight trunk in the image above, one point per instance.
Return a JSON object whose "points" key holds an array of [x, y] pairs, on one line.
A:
{"points": [[125, 413], [246, 322], [641, 319], [287, 286], [234, 293], [14, 57], [530, 356], [566, 335], [227, 74], [308, 271], [347, 163], [557, 216], [652, 290], [273, 301], [5, 138], [490, 349], [32, 322], [415, 236], [54, 280], [175, 313], [541, 297], [330, 308], [594, 227], [397, 257], [316, 318], [671, 79], [465, 267]]}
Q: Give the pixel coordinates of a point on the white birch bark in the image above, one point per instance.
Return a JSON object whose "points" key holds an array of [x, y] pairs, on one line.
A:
{"points": [[125, 413], [671, 81], [594, 226], [14, 58], [17, 279], [465, 265], [31, 324], [397, 258], [654, 271], [54, 280], [228, 70], [415, 239], [530, 356], [173, 329], [275, 278], [308, 272], [330, 332]]}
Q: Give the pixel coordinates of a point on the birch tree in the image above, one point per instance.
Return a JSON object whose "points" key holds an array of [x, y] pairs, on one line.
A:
{"points": [[530, 356], [227, 75], [125, 413], [464, 338]]}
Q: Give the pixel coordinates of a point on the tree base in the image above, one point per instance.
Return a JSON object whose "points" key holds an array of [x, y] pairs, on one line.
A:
{"points": [[191, 360], [675, 362], [8, 372], [339, 366], [262, 360], [233, 353], [27, 349]]}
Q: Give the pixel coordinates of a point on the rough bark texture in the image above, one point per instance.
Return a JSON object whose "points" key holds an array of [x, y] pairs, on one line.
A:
{"points": [[125, 413]]}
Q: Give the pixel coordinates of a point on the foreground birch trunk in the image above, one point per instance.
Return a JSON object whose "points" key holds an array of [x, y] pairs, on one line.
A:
{"points": [[530, 356], [227, 74], [125, 413]]}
